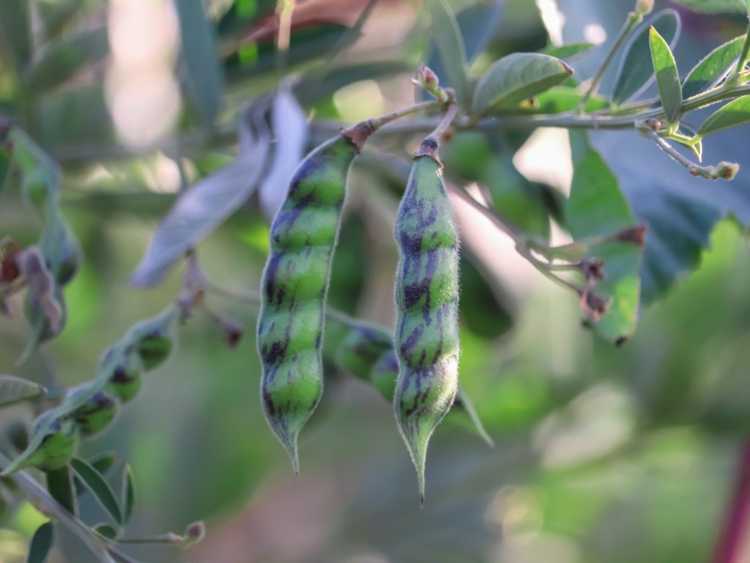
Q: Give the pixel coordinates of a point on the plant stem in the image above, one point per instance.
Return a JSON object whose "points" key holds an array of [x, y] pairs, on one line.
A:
{"points": [[633, 20], [708, 172], [521, 245], [379, 122], [445, 122], [729, 546]]}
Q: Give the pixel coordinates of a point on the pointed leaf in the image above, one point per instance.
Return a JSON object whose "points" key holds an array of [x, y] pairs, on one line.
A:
{"points": [[517, 77], [62, 59], [667, 76], [99, 487], [15, 31], [128, 493], [102, 463], [450, 46], [106, 530], [41, 543], [598, 208], [15, 389], [206, 205], [713, 67], [60, 487], [736, 112], [203, 73], [636, 72]]}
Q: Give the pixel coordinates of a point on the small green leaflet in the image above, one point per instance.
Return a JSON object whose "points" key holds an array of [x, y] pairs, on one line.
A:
{"points": [[41, 543], [60, 487], [517, 77], [99, 487], [15, 389], [736, 112], [667, 77], [62, 60], [127, 493], [713, 67], [568, 51], [596, 208], [636, 72], [450, 45], [205, 82]]}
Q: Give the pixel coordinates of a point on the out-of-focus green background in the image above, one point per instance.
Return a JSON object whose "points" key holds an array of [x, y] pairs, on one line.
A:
{"points": [[603, 454]]}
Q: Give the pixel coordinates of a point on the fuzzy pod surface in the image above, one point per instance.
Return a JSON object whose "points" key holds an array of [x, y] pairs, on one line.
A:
{"points": [[427, 288], [96, 414], [294, 286]]}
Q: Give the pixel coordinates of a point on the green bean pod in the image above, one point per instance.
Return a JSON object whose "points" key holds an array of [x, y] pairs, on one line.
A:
{"points": [[426, 336], [294, 286], [365, 350]]}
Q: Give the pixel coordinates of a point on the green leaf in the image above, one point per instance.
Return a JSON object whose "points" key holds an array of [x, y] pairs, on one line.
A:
{"points": [[62, 59], [736, 112], [61, 488], [597, 208], [450, 45], [559, 99], [106, 530], [202, 71], [568, 51], [517, 77], [99, 487], [41, 543], [57, 14], [128, 493], [713, 67], [102, 463], [716, 6], [667, 76], [15, 390], [15, 32], [636, 72], [207, 204]]}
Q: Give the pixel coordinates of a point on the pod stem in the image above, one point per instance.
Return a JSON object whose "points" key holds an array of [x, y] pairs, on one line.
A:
{"points": [[360, 132]]}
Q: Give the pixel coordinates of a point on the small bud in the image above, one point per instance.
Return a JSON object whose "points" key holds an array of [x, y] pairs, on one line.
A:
{"points": [[427, 78], [644, 7], [194, 533], [594, 307], [727, 170], [430, 83], [635, 235], [592, 268], [654, 124], [9, 269]]}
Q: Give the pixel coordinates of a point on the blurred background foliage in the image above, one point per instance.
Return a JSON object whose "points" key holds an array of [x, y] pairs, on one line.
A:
{"points": [[603, 454]]}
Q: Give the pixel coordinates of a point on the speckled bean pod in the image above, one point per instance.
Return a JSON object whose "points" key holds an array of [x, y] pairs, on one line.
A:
{"points": [[426, 336]]}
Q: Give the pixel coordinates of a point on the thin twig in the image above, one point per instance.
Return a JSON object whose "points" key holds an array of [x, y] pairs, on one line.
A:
{"points": [[633, 20], [723, 170]]}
